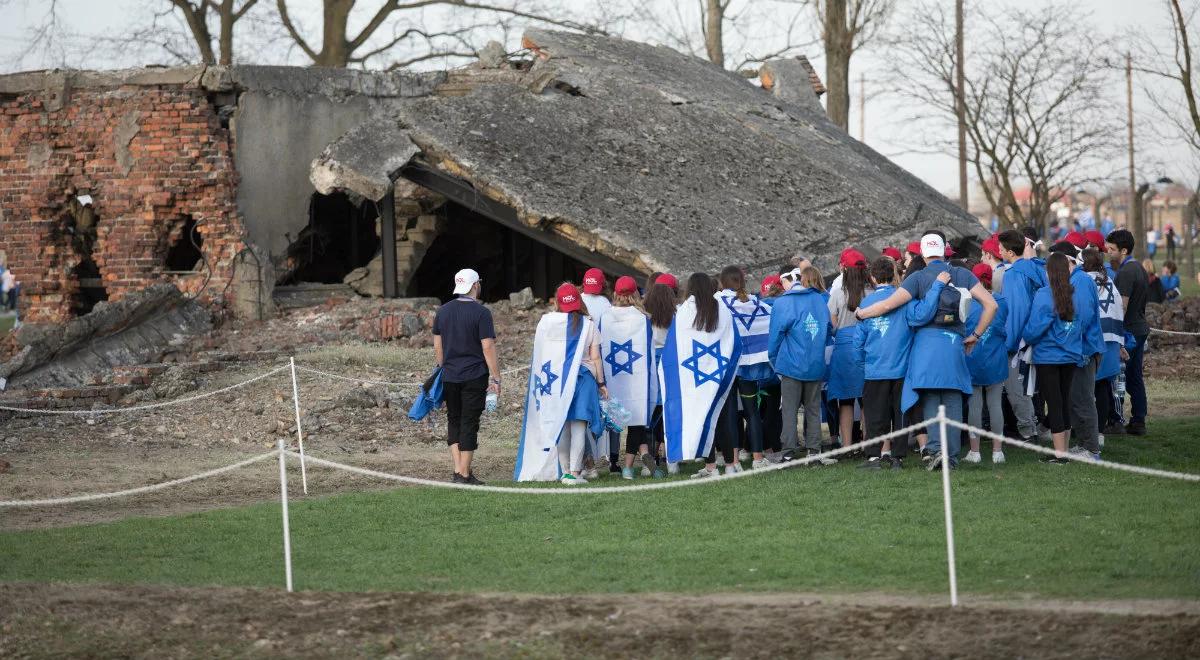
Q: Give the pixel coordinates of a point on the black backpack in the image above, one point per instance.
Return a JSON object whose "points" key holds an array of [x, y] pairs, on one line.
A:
{"points": [[954, 303]]}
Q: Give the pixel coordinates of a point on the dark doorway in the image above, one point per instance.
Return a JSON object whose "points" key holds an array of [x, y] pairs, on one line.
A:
{"points": [[185, 253], [340, 237], [506, 260], [80, 226]]}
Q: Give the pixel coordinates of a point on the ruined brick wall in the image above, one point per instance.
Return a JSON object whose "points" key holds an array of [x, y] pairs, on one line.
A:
{"points": [[149, 156]]}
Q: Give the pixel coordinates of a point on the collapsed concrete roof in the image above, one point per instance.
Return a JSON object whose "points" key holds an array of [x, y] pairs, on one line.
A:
{"points": [[659, 160]]}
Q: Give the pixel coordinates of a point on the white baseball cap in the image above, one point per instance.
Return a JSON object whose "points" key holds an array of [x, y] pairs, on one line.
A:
{"points": [[464, 280], [932, 245]]}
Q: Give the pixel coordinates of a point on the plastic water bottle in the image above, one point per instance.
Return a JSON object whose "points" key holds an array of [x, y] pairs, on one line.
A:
{"points": [[492, 402], [1121, 383]]}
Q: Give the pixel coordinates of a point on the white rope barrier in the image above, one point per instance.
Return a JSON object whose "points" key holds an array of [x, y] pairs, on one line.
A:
{"points": [[385, 383], [74, 499], [1135, 469], [1175, 332], [941, 419], [149, 406], [299, 432], [287, 529]]}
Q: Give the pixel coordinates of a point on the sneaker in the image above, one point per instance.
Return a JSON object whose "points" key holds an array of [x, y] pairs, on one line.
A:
{"points": [[1116, 428], [572, 480], [788, 455], [873, 463], [658, 473], [895, 464], [744, 456], [1081, 453], [824, 460], [472, 480], [773, 456], [1054, 460], [734, 469], [614, 465], [589, 473], [997, 457], [646, 472], [973, 457], [648, 464], [672, 468], [760, 463], [457, 479], [935, 463], [704, 473], [720, 460], [627, 473], [1136, 428]]}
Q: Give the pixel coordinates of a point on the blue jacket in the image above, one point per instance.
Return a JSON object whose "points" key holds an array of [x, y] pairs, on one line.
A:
{"points": [[800, 329], [1054, 341], [1022, 280], [1087, 312], [883, 343], [1169, 282], [936, 361], [988, 361]]}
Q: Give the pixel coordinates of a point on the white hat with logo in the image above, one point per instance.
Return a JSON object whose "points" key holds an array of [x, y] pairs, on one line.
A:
{"points": [[464, 280]]}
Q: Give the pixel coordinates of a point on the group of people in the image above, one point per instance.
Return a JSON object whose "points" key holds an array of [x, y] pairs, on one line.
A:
{"points": [[710, 370]]}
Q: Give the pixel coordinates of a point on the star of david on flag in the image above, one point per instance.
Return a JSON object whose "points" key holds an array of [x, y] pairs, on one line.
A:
{"points": [[746, 318], [626, 348], [692, 364], [542, 387]]}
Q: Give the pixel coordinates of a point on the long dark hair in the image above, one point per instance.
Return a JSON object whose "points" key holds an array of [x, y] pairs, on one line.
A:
{"points": [[733, 278], [1058, 270], [914, 264], [659, 303], [855, 283], [700, 286], [1093, 262]]}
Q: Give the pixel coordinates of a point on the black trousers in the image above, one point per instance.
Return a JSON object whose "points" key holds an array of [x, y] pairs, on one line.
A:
{"points": [[464, 405], [1104, 401], [1054, 384], [635, 437], [747, 393], [725, 435], [771, 415], [882, 415]]}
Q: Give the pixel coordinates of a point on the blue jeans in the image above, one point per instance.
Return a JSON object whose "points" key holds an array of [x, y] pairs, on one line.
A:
{"points": [[952, 399], [1135, 384]]}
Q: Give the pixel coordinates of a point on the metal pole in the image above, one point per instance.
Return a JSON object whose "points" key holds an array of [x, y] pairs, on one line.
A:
{"points": [[299, 431], [287, 533], [387, 239], [945, 440]]}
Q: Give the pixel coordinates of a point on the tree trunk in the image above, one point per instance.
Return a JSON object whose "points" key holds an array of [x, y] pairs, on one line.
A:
{"points": [[1189, 217], [335, 44], [960, 103], [226, 37], [714, 37], [838, 49], [198, 26], [1137, 224]]}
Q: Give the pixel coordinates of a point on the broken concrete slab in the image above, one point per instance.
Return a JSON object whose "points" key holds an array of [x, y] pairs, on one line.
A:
{"points": [[364, 161]]}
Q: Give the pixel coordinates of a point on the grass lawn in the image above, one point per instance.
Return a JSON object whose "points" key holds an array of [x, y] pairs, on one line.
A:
{"points": [[1065, 531], [7, 323]]}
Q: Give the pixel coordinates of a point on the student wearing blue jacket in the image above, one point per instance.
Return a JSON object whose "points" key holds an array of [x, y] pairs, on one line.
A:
{"points": [[1023, 277], [1085, 427], [1112, 327], [882, 345], [988, 364], [799, 331], [1057, 341], [937, 372]]}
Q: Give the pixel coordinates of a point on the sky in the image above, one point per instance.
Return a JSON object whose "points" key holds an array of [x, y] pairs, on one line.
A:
{"points": [[89, 21]]}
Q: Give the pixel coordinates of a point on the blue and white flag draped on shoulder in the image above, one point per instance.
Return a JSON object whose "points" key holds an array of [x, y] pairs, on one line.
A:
{"points": [[752, 322], [557, 353], [627, 353], [696, 372]]}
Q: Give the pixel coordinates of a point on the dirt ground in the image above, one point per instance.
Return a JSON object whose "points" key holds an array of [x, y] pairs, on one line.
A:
{"points": [[42, 621]]}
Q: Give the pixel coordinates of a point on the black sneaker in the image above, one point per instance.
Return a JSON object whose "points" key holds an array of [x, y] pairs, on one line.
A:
{"points": [[896, 464], [874, 463], [457, 479], [1054, 460], [935, 462], [471, 480], [614, 464], [1136, 428], [1116, 428]]}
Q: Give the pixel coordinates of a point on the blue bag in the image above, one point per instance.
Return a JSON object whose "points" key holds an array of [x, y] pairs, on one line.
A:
{"points": [[429, 397]]}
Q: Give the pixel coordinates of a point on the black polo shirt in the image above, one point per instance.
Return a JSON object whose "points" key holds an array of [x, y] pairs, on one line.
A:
{"points": [[462, 324], [1133, 283]]}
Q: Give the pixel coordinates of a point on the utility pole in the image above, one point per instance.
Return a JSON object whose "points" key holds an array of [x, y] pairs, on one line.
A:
{"points": [[1134, 211], [862, 107], [960, 105]]}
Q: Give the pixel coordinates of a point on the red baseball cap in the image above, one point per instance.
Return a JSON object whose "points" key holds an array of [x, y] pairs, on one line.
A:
{"points": [[852, 258], [892, 252], [593, 281], [1095, 239], [1077, 239], [984, 273], [767, 283], [914, 248], [668, 279], [991, 246], [568, 298], [625, 286]]}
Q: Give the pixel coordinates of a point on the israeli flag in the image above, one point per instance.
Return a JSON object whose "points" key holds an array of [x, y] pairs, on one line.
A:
{"points": [[557, 353], [627, 350], [696, 373], [752, 322]]}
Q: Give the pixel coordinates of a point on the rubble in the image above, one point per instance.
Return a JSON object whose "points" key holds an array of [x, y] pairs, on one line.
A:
{"points": [[522, 299]]}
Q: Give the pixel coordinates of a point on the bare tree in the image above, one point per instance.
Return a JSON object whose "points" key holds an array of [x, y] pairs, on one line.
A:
{"points": [[846, 27], [227, 13], [1034, 100], [341, 46]]}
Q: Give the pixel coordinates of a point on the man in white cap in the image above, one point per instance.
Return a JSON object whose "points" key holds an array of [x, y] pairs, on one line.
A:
{"points": [[937, 371], [464, 340]]}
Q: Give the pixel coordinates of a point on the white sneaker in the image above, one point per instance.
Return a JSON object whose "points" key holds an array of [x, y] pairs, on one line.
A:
{"points": [[734, 469], [744, 456], [646, 472], [572, 480], [972, 457], [720, 461], [997, 457], [704, 473], [760, 464], [590, 473], [672, 468]]}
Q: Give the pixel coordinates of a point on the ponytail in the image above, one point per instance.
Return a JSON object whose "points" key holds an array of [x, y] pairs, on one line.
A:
{"points": [[1058, 270]]}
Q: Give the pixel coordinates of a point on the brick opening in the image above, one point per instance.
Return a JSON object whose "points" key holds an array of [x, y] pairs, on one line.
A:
{"points": [[341, 235], [186, 254], [81, 224], [506, 260]]}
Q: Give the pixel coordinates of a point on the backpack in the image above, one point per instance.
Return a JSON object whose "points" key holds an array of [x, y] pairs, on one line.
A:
{"points": [[954, 304]]}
